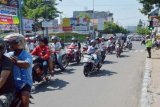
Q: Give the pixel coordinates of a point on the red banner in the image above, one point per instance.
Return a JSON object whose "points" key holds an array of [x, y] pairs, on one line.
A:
{"points": [[6, 19]]}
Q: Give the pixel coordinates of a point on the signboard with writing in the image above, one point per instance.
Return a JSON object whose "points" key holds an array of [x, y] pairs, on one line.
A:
{"points": [[6, 19], [27, 24], [8, 10]]}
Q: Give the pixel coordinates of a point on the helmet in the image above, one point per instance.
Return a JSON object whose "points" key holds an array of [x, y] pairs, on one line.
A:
{"points": [[2, 46], [17, 39], [55, 38], [93, 41], [44, 40], [73, 39]]}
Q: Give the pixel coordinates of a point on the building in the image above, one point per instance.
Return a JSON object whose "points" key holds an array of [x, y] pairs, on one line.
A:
{"points": [[108, 16]]}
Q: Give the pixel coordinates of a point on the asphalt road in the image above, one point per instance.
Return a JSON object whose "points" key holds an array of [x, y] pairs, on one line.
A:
{"points": [[118, 84]]}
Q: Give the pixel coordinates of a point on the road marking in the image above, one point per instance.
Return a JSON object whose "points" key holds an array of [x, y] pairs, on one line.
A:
{"points": [[136, 51], [146, 98]]}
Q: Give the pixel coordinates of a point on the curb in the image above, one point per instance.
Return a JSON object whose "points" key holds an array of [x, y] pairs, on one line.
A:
{"points": [[146, 97]]}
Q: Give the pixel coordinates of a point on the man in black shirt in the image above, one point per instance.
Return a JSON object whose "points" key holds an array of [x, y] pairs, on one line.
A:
{"points": [[7, 87]]}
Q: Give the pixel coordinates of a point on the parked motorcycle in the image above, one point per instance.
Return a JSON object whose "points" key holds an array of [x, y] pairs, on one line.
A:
{"points": [[73, 54], [39, 71], [89, 64]]}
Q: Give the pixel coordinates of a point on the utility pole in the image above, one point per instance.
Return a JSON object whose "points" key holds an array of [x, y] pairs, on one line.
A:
{"points": [[20, 3], [93, 22], [46, 17]]}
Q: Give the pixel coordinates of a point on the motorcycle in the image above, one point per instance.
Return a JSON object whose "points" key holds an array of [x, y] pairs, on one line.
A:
{"points": [[71, 51], [64, 60], [129, 45], [118, 51], [103, 56], [39, 71], [84, 49], [89, 64]]}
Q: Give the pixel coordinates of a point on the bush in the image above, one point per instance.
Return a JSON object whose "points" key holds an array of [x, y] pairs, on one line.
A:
{"points": [[66, 37]]}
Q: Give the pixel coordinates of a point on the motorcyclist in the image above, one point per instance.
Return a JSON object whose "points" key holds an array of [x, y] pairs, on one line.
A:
{"points": [[56, 50], [88, 40], [43, 51], [92, 49], [22, 66], [110, 44], [7, 86]]}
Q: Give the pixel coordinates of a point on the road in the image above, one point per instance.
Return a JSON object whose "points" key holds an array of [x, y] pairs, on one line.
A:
{"points": [[117, 85]]}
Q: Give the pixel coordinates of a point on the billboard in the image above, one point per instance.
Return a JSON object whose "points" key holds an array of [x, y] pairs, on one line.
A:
{"points": [[6, 19], [8, 10], [9, 27], [75, 24], [4, 2], [27, 24], [67, 24]]}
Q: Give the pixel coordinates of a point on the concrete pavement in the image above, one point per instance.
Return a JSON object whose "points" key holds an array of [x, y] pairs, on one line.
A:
{"points": [[117, 85], [155, 77]]}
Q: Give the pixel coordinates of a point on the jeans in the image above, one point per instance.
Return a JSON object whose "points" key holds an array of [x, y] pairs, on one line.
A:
{"points": [[59, 61]]}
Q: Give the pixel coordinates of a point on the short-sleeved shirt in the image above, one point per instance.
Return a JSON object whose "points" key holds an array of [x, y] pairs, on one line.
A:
{"points": [[22, 73], [7, 65]]}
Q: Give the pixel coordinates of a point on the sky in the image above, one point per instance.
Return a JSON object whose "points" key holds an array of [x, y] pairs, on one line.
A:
{"points": [[125, 12]]}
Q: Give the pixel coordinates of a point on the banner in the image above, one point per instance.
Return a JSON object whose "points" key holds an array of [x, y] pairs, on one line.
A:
{"points": [[4, 2], [9, 27], [8, 10], [27, 24], [6, 19], [67, 24]]}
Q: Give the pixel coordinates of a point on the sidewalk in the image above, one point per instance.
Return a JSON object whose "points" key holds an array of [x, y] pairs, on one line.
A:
{"points": [[155, 78]]}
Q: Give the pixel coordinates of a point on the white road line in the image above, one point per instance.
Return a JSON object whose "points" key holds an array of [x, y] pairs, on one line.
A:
{"points": [[136, 51], [146, 98]]}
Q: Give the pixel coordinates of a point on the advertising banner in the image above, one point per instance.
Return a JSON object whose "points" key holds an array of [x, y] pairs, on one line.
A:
{"points": [[8, 10], [6, 19], [4, 2], [27, 24], [67, 24], [79, 28], [9, 27]]}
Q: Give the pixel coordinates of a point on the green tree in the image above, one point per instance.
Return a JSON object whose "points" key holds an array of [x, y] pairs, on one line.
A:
{"points": [[143, 30], [36, 9], [148, 5], [111, 28]]}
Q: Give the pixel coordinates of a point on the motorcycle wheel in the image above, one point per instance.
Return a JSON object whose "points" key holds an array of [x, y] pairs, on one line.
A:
{"points": [[86, 71], [65, 61], [79, 59]]}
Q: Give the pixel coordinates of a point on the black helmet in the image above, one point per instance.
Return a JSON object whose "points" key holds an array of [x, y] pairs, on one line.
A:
{"points": [[2, 46], [44, 40]]}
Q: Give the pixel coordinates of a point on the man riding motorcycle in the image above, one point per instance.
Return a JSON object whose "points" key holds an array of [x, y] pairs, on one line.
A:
{"points": [[43, 52], [7, 86], [22, 66], [56, 51], [92, 49], [77, 45]]}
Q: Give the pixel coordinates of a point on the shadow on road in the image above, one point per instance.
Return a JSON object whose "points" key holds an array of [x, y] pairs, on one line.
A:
{"points": [[103, 73], [75, 64], [51, 85], [122, 56], [67, 71], [109, 62]]}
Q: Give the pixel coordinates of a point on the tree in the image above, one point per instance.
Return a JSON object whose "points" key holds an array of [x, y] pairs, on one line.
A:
{"points": [[148, 5], [40, 9], [111, 28], [143, 30]]}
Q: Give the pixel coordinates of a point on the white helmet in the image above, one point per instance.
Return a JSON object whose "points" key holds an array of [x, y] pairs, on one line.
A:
{"points": [[16, 38]]}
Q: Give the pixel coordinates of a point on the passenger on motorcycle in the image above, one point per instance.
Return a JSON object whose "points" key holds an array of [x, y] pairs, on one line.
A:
{"points": [[22, 67], [56, 51], [43, 51], [7, 86]]}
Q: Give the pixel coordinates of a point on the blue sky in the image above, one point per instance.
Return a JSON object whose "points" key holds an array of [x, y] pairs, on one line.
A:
{"points": [[125, 12]]}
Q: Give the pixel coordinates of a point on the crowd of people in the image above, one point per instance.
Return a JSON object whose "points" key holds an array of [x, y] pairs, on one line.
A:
{"points": [[16, 62]]}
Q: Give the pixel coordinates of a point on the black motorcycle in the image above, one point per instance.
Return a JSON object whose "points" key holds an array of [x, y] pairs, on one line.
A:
{"points": [[40, 72]]}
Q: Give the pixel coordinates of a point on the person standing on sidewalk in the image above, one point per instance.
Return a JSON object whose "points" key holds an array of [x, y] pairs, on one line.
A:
{"points": [[148, 45]]}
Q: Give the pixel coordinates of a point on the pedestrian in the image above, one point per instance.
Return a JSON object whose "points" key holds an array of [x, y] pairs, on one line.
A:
{"points": [[148, 43]]}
